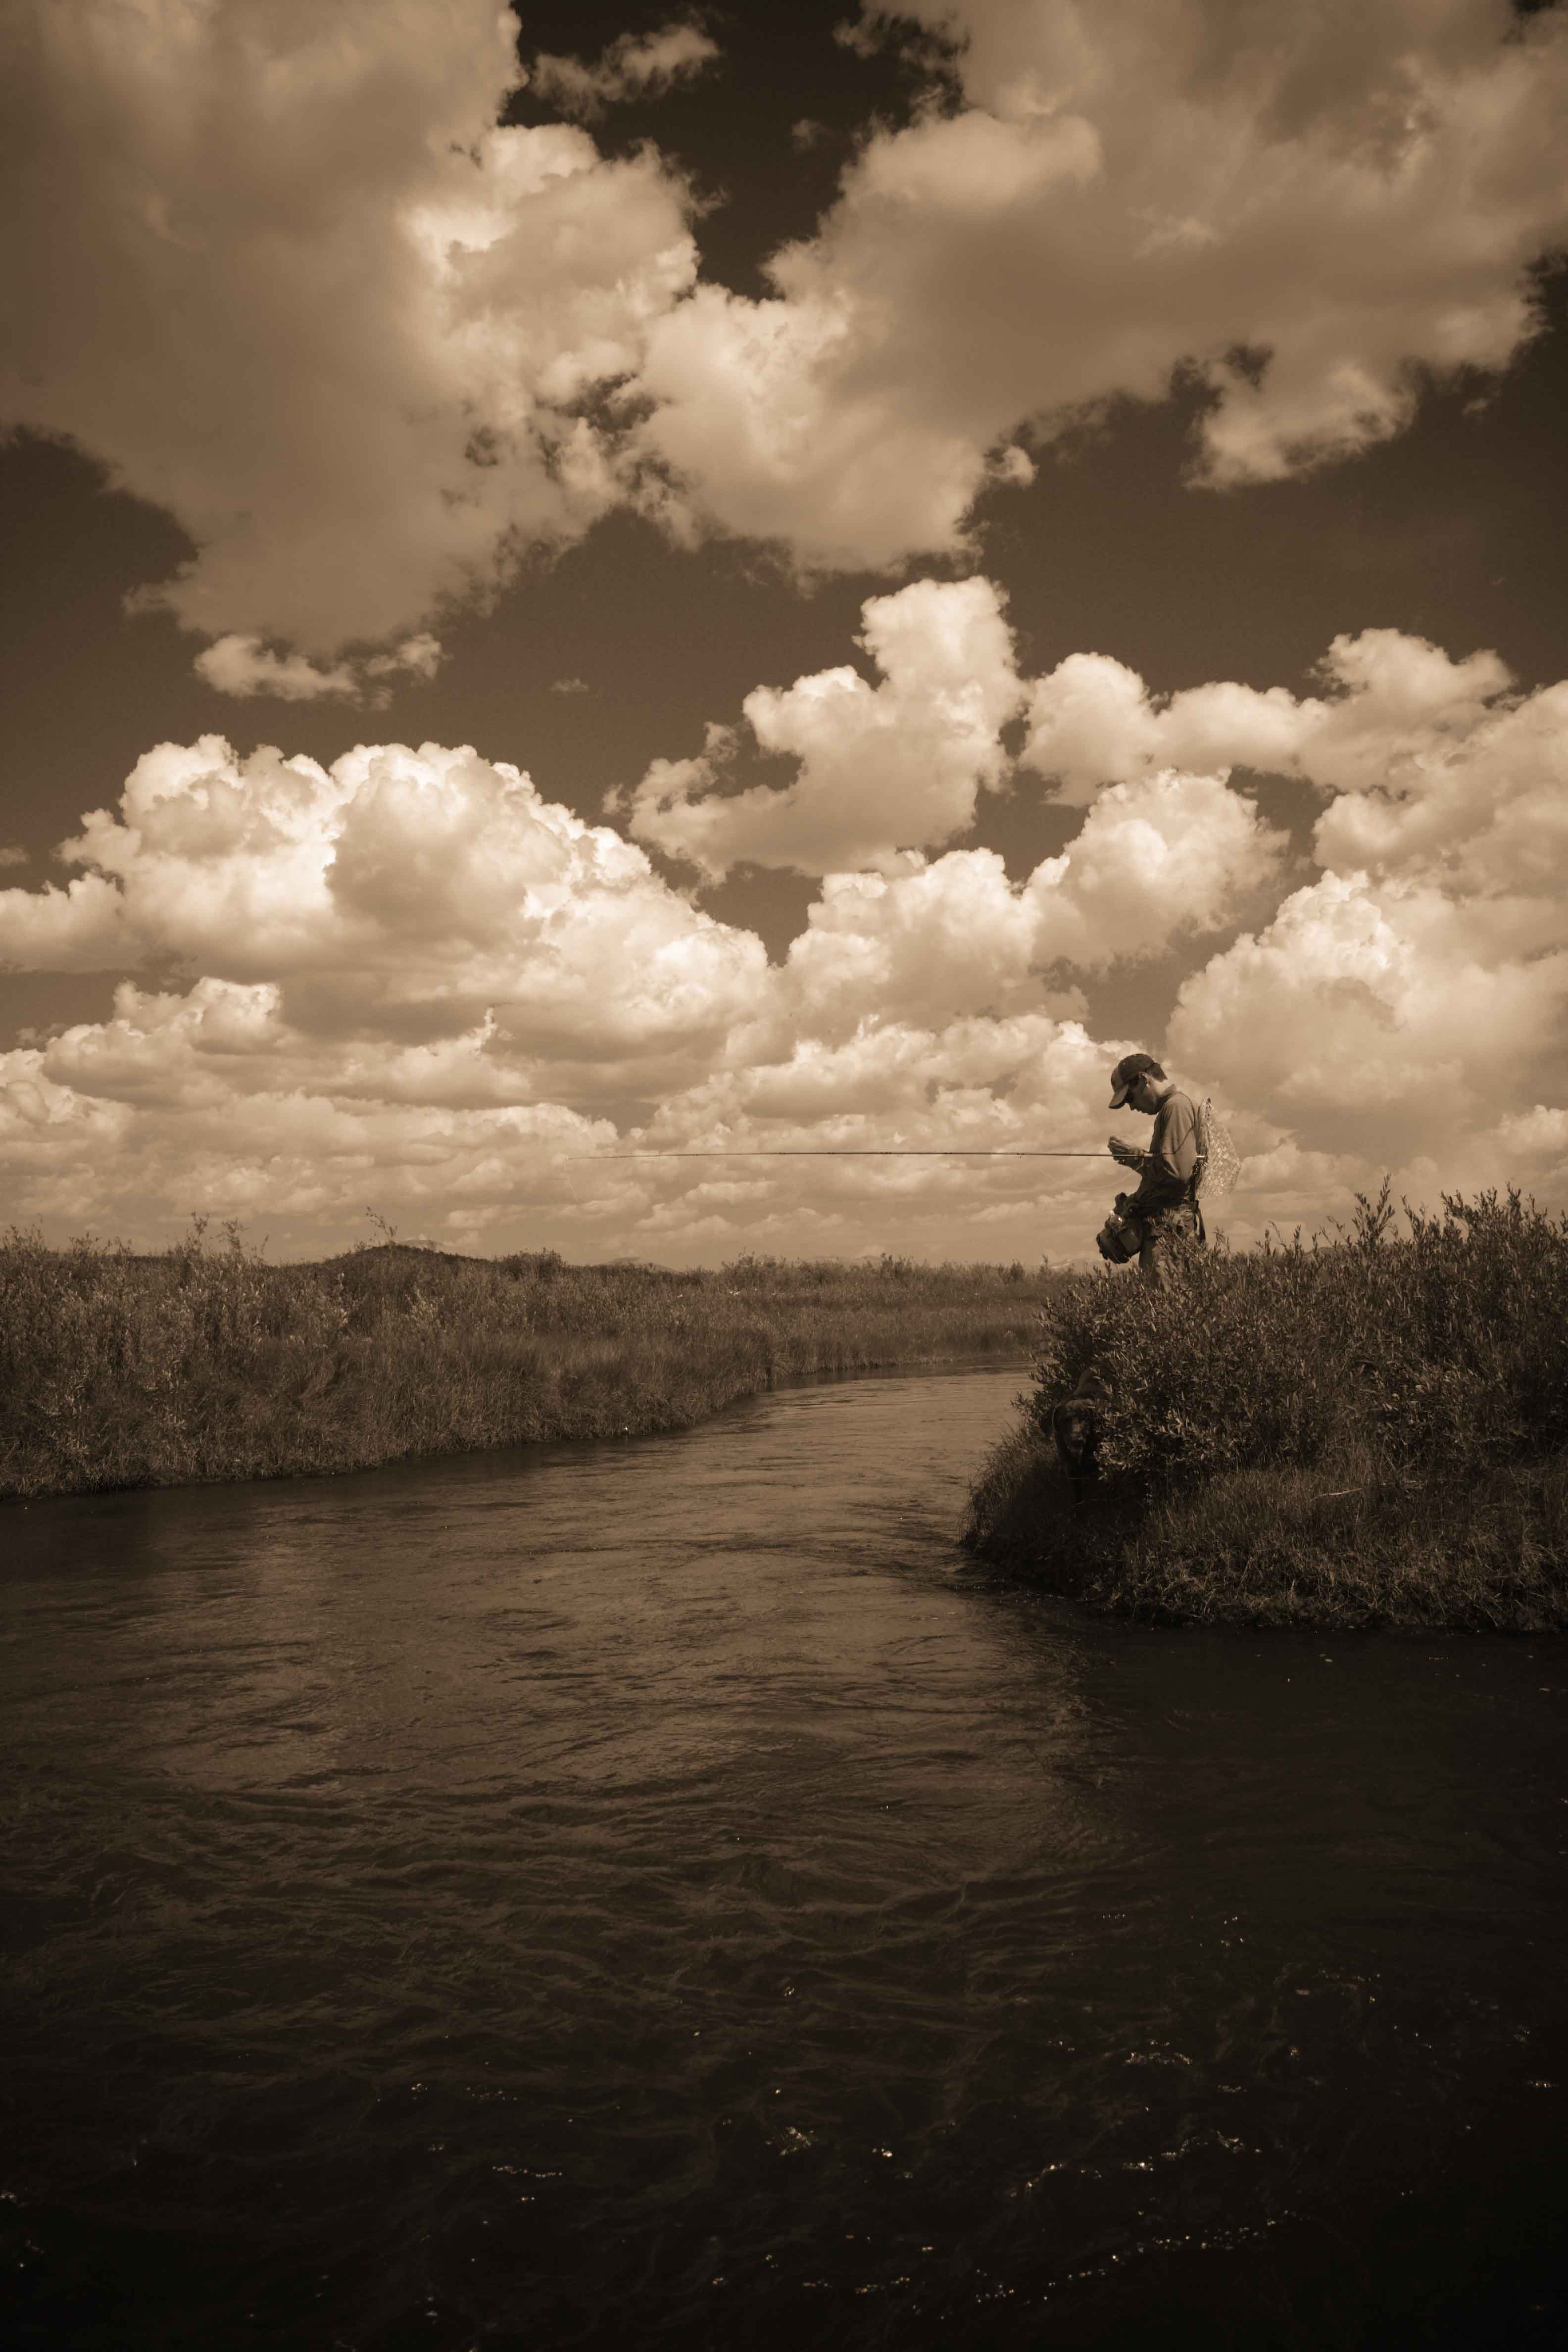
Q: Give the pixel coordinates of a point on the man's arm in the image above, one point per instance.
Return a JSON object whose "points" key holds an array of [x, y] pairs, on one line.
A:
{"points": [[1172, 1157]]}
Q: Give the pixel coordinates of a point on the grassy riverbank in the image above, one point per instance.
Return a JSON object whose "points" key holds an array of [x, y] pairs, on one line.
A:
{"points": [[1369, 1432], [123, 1369]]}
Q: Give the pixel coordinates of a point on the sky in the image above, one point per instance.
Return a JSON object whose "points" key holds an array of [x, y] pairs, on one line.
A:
{"points": [[592, 580]]}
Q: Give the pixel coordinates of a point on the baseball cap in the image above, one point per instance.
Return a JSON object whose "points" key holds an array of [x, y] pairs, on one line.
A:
{"points": [[1131, 1068]]}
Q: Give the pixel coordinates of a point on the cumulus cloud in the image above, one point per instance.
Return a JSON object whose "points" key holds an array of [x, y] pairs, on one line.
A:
{"points": [[399, 896], [933, 1005], [1437, 768], [1302, 212], [878, 767], [1373, 1018], [1395, 705], [1171, 853], [1092, 722], [1407, 1010], [281, 271], [408, 967], [75, 930], [409, 895], [1413, 1003], [1441, 772], [635, 66], [885, 773], [932, 941], [1154, 861]]}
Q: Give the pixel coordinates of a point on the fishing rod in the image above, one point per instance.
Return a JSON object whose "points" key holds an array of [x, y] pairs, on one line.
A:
{"points": [[794, 1151]]}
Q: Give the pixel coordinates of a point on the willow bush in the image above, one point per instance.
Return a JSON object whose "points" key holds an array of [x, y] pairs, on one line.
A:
{"points": [[1358, 1430], [1444, 1351]]}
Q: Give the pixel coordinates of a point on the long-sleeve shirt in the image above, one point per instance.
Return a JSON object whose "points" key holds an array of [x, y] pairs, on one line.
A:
{"points": [[1172, 1156]]}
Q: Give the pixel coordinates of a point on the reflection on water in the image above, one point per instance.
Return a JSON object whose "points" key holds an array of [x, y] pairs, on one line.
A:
{"points": [[661, 1894]]}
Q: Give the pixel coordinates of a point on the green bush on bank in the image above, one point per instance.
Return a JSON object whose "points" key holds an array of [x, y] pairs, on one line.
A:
{"points": [[118, 1369], [1369, 1431]]}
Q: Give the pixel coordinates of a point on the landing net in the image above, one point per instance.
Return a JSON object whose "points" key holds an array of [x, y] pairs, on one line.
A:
{"points": [[1221, 1163]]}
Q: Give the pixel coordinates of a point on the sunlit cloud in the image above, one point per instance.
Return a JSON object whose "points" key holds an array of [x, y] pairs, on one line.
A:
{"points": [[410, 970], [878, 767]]}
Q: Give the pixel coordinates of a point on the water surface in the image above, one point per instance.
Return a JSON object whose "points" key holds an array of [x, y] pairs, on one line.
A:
{"points": [[660, 1893]]}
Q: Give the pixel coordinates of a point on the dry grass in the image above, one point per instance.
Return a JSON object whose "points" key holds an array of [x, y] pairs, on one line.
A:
{"points": [[123, 1369]]}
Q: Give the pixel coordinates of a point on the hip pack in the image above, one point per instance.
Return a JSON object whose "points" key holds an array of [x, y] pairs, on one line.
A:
{"points": [[1119, 1239]]}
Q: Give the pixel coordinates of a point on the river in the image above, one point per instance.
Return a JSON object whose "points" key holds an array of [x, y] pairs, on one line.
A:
{"points": [[661, 1894]]}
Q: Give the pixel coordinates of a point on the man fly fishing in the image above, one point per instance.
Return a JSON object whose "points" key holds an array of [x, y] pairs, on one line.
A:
{"points": [[1160, 1223]]}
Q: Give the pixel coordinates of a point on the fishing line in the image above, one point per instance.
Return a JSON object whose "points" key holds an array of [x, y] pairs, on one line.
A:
{"points": [[1219, 1163]]}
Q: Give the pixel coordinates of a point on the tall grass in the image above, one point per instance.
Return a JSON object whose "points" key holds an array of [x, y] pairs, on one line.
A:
{"points": [[122, 1369], [1367, 1431]]}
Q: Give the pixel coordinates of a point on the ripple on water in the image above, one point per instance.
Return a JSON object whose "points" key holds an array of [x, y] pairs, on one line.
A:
{"points": [[659, 1894]]}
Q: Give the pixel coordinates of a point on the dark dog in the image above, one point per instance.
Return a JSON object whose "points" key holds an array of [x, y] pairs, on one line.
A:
{"points": [[1075, 1428]]}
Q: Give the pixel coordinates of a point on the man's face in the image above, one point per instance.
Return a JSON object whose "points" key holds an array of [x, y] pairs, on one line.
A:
{"points": [[1141, 1094]]}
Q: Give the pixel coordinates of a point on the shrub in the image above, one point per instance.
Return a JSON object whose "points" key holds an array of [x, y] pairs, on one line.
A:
{"points": [[1444, 1352], [1354, 1432]]}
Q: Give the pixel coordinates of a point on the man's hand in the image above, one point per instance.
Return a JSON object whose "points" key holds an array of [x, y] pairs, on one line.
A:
{"points": [[1127, 1153]]}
